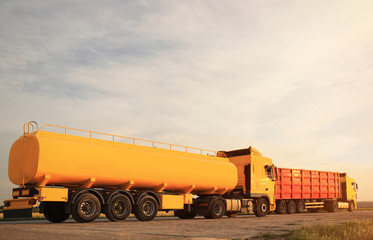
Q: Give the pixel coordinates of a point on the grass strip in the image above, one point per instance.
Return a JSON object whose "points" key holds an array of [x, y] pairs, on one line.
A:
{"points": [[352, 230]]}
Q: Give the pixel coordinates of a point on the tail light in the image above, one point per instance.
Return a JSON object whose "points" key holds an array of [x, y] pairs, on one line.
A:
{"points": [[32, 201], [25, 192], [6, 204], [16, 193]]}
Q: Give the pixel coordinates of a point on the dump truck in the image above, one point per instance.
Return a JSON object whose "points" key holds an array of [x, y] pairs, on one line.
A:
{"points": [[299, 189], [80, 173]]}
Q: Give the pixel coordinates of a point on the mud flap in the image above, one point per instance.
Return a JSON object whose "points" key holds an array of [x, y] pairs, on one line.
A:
{"points": [[18, 213]]}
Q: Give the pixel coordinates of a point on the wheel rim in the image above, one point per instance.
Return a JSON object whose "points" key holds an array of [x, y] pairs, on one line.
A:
{"points": [[88, 208], [263, 207], [118, 208], [148, 208], [300, 206], [218, 209]]}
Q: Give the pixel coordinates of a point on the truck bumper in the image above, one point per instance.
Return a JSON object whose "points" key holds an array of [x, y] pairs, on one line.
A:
{"points": [[19, 208], [27, 198]]}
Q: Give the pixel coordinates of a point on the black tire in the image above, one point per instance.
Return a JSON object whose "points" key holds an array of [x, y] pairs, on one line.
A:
{"points": [[55, 212], [86, 208], [282, 207], [118, 208], [292, 207], [185, 214], [232, 214], [331, 206], [261, 208], [351, 206], [216, 209], [313, 210], [146, 209], [300, 206]]}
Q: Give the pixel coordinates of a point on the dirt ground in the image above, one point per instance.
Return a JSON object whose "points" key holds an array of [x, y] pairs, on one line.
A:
{"points": [[172, 228]]}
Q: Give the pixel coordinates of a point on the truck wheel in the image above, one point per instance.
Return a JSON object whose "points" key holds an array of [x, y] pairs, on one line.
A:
{"points": [[118, 208], [292, 207], [55, 212], [351, 206], [86, 208], [281, 208], [261, 208], [300, 206], [333, 206], [146, 209], [216, 209]]}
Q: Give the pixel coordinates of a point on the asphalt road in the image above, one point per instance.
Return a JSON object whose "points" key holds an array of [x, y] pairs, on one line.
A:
{"points": [[172, 228]]}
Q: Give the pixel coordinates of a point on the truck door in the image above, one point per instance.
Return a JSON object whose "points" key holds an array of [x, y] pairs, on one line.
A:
{"points": [[248, 178]]}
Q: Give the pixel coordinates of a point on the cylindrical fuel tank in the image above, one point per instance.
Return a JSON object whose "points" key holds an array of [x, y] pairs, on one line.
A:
{"points": [[47, 158]]}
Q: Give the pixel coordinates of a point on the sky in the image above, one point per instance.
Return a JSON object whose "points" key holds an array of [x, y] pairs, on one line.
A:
{"points": [[293, 79]]}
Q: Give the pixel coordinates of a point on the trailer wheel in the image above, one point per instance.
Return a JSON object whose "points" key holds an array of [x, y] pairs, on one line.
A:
{"points": [[292, 207], [261, 208], [146, 209], [118, 208], [351, 206], [281, 208], [55, 212], [217, 209], [86, 208], [300, 206]]}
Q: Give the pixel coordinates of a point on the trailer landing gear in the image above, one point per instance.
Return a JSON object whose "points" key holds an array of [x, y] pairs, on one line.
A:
{"points": [[187, 213]]}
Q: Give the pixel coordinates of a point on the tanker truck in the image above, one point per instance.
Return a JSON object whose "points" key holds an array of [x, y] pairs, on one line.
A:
{"points": [[67, 171]]}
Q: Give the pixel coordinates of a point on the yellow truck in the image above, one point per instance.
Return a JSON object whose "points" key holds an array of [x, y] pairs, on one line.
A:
{"points": [[84, 173]]}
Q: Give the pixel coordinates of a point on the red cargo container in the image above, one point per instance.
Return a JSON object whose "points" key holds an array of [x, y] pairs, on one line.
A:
{"points": [[307, 184]]}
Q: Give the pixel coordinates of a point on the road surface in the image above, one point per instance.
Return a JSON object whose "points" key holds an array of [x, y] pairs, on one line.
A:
{"points": [[172, 228]]}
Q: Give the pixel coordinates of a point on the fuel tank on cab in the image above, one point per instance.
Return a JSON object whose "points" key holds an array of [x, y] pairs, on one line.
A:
{"points": [[47, 158]]}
